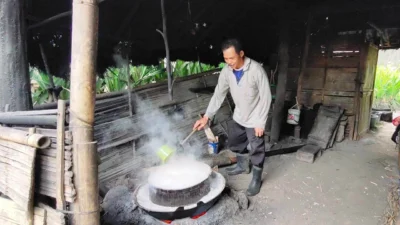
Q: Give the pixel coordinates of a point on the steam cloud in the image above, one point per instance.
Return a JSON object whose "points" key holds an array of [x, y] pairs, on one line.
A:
{"points": [[160, 128]]}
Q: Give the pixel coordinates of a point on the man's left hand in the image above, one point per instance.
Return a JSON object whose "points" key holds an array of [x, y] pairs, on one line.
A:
{"points": [[259, 132]]}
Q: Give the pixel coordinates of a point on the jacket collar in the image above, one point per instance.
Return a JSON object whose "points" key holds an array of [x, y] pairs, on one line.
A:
{"points": [[246, 66]]}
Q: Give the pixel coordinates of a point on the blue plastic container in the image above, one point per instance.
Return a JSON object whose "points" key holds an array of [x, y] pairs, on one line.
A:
{"points": [[213, 147]]}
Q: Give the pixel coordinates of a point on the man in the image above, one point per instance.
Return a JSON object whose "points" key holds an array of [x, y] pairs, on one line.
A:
{"points": [[249, 86]]}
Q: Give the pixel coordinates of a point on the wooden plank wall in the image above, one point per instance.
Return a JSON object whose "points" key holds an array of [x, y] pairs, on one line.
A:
{"points": [[332, 72], [123, 144]]}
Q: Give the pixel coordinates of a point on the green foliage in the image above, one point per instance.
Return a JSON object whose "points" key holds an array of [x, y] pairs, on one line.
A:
{"points": [[113, 80], [184, 68], [99, 85], [387, 87], [142, 74], [116, 79], [41, 94]]}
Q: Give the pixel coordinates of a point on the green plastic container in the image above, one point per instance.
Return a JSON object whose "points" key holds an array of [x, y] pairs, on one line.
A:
{"points": [[165, 152]]}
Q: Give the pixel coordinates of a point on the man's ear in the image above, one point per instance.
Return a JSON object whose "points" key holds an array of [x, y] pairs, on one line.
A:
{"points": [[241, 53]]}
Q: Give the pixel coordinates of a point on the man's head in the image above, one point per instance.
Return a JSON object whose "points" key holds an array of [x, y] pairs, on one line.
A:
{"points": [[233, 53]]}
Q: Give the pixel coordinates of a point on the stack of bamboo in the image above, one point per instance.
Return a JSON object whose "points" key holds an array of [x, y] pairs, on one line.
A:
{"points": [[47, 159], [17, 169], [53, 217], [18, 151], [46, 166], [11, 213], [53, 169], [107, 110]]}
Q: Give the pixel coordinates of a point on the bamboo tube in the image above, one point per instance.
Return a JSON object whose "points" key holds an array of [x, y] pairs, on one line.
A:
{"points": [[31, 112], [21, 137], [46, 120]]}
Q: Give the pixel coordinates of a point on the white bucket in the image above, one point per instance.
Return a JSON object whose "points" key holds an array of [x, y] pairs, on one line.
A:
{"points": [[293, 116]]}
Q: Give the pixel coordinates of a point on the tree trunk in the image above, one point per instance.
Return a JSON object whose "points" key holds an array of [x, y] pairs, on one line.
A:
{"points": [[14, 73]]}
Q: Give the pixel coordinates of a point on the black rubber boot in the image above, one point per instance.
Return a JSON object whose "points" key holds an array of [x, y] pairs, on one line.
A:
{"points": [[238, 156], [242, 166], [255, 183]]}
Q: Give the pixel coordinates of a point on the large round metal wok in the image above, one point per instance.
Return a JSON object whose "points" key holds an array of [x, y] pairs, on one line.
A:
{"points": [[142, 199], [181, 182]]}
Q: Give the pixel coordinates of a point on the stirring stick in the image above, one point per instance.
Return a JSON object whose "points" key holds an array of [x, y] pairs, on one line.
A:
{"points": [[183, 142]]}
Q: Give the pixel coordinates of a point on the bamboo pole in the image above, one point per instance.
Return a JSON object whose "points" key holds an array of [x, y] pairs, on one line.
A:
{"points": [[60, 155], [29, 213], [44, 120], [24, 138], [46, 66], [85, 19], [88, 190], [165, 37], [128, 79], [31, 112]]}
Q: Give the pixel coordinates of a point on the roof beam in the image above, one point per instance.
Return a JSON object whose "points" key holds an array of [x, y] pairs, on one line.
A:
{"points": [[53, 18]]}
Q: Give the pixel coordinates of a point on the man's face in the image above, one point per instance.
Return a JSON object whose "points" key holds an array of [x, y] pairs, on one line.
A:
{"points": [[233, 59]]}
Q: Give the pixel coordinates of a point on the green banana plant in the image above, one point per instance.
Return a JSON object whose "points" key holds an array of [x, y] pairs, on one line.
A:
{"points": [[40, 94], [387, 86]]}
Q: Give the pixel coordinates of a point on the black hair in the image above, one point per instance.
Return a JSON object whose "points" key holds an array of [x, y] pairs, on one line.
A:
{"points": [[232, 42]]}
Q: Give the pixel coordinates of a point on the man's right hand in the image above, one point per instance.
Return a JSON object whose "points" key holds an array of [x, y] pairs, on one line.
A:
{"points": [[200, 123]]}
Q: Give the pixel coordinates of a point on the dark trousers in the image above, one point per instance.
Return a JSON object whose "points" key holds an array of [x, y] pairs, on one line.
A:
{"points": [[394, 136], [240, 137]]}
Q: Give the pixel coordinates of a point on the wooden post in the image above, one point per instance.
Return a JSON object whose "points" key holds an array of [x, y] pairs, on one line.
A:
{"points": [[278, 113], [60, 199], [304, 61], [85, 17], [14, 72], [358, 83]]}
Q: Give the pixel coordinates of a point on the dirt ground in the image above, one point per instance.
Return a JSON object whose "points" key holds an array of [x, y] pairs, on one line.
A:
{"points": [[349, 184]]}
